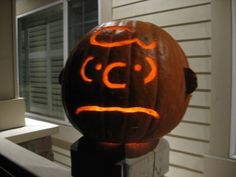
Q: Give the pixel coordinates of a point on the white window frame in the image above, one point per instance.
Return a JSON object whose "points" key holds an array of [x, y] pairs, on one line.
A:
{"points": [[233, 101], [104, 14]]}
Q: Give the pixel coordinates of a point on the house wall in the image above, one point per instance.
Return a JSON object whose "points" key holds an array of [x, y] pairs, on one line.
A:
{"points": [[24, 6], [221, 81], [189, 22], [7, 62], [11, 107], [197, 25]]}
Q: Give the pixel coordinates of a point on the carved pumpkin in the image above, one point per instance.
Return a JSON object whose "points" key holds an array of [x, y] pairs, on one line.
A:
{"points": [[127, 82]]}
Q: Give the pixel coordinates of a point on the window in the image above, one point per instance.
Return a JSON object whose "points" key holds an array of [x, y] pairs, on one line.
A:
{"points": [[83, 16], [42, 36]]}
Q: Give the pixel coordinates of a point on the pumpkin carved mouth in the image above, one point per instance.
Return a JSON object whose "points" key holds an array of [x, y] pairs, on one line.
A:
{"points": [[93, 108]]}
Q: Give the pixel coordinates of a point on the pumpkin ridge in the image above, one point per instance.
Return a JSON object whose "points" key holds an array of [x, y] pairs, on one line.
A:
{"points": [[129, 62], [152, 121], [103, 102], [108, 55]]}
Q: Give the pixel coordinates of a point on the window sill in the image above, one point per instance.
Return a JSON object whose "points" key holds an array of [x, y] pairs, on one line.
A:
{"points": [[33, 129], [25, 159]]}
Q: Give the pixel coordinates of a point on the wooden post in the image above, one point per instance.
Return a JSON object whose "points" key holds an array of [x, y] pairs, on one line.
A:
{"points": [[90, 160]]}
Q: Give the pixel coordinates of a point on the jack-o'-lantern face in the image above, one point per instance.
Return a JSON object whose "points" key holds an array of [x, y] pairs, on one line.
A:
{"points": [[125, 82], [116, 65]]}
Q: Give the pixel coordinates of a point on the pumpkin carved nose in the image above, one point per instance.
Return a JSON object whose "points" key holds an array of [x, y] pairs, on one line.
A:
{"points": [[106, 74]]}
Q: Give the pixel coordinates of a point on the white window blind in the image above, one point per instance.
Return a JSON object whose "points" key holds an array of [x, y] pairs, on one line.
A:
{"points": [[41, 60]]}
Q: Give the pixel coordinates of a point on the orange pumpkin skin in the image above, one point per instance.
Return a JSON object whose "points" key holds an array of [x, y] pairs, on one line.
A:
{"points": [[91, 78]]}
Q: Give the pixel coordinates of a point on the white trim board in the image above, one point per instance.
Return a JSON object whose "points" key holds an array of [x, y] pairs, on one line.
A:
{"points": [[233, 102], [33, 129], [30, 161], [26, 159]]}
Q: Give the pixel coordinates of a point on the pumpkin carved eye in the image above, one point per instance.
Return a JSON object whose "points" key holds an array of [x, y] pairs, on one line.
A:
{"points": [[83, 67], [137, 67], [98, 67], [105, 77], [153, 73]]}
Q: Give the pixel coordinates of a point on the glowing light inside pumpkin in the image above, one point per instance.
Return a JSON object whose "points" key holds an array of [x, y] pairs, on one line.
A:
{"points": [[137, 67], [83, 67], [148, 111], [128, 145], [153, 71], [98, 67], [105, 77], [94, 41], [152, 74]]}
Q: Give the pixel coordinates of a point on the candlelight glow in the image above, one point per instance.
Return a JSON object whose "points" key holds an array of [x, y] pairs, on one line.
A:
{"points": [[83, 67], [153, 71], [105, 77], [148, 111], [94, 41]]}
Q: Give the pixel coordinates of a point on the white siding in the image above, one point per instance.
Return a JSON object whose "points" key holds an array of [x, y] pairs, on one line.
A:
{"points": [[189, 22], [61, 156]]}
